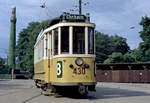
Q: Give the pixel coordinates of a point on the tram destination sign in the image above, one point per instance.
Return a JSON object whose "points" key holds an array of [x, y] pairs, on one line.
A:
{"points": [[75, 18]]}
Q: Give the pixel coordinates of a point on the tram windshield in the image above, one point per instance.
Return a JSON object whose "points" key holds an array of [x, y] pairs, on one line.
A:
{"points": [[78, 40], [65, 40], [90, 40], [56, 41]]}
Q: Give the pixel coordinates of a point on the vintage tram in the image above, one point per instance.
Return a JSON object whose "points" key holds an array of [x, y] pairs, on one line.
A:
{"points": [[64, 55]]}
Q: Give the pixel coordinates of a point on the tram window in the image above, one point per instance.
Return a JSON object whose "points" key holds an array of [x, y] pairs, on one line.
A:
{"points": [[43, 47], [55, 41], [38, 50], [78, 40], [91, 40], [65, 40]]}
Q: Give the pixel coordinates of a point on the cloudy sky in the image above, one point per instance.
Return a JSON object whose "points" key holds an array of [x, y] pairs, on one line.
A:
{"points": [[110, 16]]}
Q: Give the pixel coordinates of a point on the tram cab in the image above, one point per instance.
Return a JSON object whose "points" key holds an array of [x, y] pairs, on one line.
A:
{"points": [[64, 54]]}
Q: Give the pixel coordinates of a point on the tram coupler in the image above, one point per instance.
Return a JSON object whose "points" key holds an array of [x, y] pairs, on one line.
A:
{"points": [[82, 89]]}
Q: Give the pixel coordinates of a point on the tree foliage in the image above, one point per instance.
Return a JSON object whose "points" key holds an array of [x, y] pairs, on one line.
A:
{"points": [[25, 45], [3, 68], [106, 45], [135, 54], [103, 47], [115, 57], [120, 44], [144, 47]]}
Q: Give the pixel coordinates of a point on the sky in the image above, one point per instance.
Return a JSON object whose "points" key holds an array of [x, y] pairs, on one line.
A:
{"points": [[110, 16]]}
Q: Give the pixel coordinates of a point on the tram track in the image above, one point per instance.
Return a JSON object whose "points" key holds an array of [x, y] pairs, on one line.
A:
{"points": [[33, 97], [15, 91], [12, 92], [20, 91]]}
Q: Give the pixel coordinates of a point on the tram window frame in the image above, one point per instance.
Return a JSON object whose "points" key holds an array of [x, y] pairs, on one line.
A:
{"points": [[78, 40], [56, 41], [65, 40], [90, 40]]}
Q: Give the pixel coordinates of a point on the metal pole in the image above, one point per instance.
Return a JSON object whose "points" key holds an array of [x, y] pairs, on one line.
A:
{"points": [[80, 7]]}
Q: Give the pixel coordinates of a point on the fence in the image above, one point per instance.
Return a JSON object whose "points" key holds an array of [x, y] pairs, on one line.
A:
{"points": [[124, 73]]}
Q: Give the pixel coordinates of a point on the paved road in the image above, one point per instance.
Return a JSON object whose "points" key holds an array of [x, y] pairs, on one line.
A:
{"points": [[24, 91]]}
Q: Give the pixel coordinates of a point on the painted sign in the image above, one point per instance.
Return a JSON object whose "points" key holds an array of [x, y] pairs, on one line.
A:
{"points": [[73, 17], [59, 69]]}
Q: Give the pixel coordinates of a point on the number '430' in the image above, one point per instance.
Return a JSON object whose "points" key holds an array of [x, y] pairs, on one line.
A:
{"points": [[79, 71]]}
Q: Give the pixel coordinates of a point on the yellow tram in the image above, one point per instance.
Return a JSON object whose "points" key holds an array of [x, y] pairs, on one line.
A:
{"points": [[64, 55]]}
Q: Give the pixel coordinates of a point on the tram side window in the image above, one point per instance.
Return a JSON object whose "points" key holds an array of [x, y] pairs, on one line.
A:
{"points": [[65, 40], [90, 40], [38, 50], [78, 40], [55, 41], [43, 47], [35, 54]]}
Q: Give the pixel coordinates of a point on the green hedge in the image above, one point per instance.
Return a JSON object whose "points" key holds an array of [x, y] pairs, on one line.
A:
{"points": [[5, 76]]}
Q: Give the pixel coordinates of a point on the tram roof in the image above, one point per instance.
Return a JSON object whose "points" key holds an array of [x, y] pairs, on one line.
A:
{"points": [[54, 21], [67, 17]]}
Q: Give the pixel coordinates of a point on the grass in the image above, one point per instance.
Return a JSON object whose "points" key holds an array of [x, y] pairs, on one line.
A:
{"points": [[5, 76]]}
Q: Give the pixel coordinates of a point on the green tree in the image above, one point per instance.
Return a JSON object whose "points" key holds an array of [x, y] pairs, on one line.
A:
{"points": [[128, 58], [118, 57], [115, 57], [106, 45], [135, 53], [144, 34], [3, 69], [25, 45], [103, 47], [120, 44], [144, 46]]}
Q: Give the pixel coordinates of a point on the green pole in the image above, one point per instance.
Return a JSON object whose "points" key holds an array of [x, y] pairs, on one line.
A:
{"points": [[12, 41]]}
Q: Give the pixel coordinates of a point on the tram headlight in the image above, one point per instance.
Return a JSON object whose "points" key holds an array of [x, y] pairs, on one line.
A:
{"points": [[79, 61]]}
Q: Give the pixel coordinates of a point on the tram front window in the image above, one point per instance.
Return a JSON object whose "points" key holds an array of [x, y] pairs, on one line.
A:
{"points": [[90, 40], [78, 40], [65, 40], [55, 41]]}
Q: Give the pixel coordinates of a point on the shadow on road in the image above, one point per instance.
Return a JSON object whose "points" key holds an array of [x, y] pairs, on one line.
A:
{"points": [[106, 93]]}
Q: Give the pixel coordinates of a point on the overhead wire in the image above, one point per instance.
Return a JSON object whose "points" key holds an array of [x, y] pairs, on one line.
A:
{"points": [[76, 7], [46, 9]]}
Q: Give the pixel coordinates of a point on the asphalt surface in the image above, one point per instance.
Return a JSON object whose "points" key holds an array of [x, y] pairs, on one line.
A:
{"points": [[24, 91]]}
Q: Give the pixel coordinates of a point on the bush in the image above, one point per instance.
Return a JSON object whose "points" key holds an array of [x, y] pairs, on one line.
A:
{"points": [[5, 76]]}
